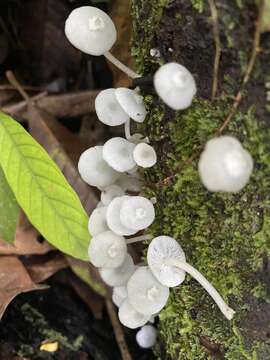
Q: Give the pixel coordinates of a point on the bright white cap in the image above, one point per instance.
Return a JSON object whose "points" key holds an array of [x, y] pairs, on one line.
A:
{"points": [[109, 110], [145, 155], [113, 217], [146, 337], [118, 153], [97, 221], [130, 183], [94, 170], [225, 165], [131, 318], [90, 30], [175, 85], [147, 295], [120, 275], [137, 212], [111, 192], [163, 248], [119, 294], [107, 249], [132, 103]]}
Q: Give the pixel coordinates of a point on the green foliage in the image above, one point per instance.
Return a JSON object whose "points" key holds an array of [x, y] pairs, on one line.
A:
{"points": [[42, 190], [9, 211]]}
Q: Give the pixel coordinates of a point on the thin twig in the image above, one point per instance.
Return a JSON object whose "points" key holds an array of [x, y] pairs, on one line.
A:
{"points": [[15, 108], [14, 82], [214, 15], [26, 87]]}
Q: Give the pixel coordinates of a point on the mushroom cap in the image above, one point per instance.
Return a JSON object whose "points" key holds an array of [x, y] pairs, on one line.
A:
{"points": [[144, 155], [175, 85], [137, 212], [131, 318], [119, 294], [97, 222], [113, 217], [111, 192], [90, 30], [161, 249], [118, 153], [120, 275], [145, 293], [109, 110], [107, 250], [146, 337], [130, 183], [94, 170], [225, 165], [132, 103]]}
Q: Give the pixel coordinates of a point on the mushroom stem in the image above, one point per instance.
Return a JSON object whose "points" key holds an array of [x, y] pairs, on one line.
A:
{"points": [[139, 238], [132, 74], [224, 308], [127, 129]]}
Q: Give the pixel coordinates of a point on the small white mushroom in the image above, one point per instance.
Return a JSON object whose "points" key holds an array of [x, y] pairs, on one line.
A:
{"points": [[175, 85], [109, 110], [146, 337], [145, 155], [165, 256], [107, 249], [130, 183], [147, 295], [118, 153], [120, 275], [97, 221], [137, 212], [119, 294], [132, 103], [111, 192], [94, 170], [225, 165], [131, 318]]}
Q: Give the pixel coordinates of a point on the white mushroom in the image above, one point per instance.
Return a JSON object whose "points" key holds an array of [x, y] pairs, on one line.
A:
{"points": [[94, 170], [175, 85], [144, 155], [147, 295], [109, 110], [119, 294], [225, 165], [146, 337], [137, 212], [132, 103], [111, 192], [107, 249], [130, 183], [120, 275], [97, 221], [165, 257], [118, 153], [131, 318]]}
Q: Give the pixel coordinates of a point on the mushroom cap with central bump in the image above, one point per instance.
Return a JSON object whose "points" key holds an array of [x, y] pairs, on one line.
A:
{"points": [[144, 155], [118, 153], [97, 222], [131, 318], [120, 275], [163, 248], [90, 30], [108, 109], [145, 293], [94, 170], [132, 103], [107, 249], [175, 85], [137, 212]]}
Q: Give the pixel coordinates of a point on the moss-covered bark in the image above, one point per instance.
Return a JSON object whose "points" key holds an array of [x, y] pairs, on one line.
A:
{"points": [[226, 236]]}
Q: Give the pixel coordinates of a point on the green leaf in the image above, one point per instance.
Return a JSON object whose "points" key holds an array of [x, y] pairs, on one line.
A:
{"points": [[9, 211], [42, 190]]}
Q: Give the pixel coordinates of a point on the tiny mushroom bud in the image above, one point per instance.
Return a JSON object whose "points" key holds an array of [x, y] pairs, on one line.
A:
{"points": [[145, 155], [119, 294], [120, 275], [118, 153], [225, 165], [111, 192], [109, 110], [94, 170], [132, 103], [146, 337], [107, 249], [131, 318], [97, 221], [175, 85], [147, 295]]}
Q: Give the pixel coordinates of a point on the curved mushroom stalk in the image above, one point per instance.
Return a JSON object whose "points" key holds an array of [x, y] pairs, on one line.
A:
{"points": [[224, 308], [139, 238], [127, 130], [130, 73]]}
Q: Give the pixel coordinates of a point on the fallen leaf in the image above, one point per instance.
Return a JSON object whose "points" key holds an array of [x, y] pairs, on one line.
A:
{"points": [[49, 347]]}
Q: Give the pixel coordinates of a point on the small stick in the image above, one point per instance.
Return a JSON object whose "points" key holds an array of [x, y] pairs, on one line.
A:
{"points": [[26, 87], [13, 109]]}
